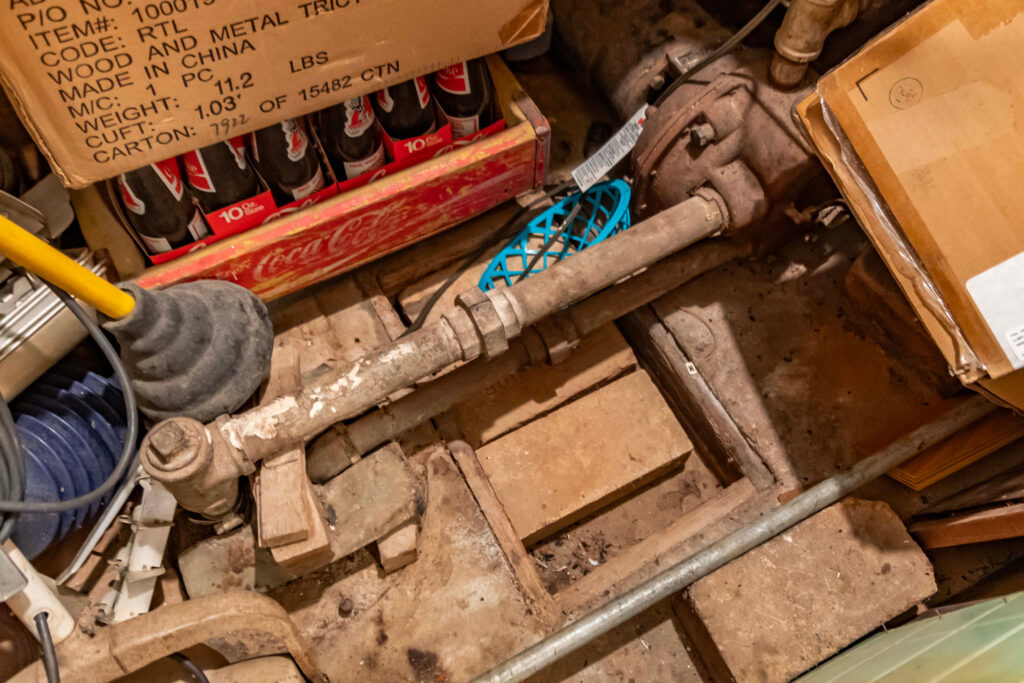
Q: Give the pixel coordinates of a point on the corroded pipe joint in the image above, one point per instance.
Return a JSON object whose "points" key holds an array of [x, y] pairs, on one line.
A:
{"points": [[494, 318], [194, 465], [800, 39]]}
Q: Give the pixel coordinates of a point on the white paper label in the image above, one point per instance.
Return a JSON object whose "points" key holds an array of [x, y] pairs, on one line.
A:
{"points": [[354, 169], [314, 184], [999, 295], [611, 152], [156, 245], [464, 126]]}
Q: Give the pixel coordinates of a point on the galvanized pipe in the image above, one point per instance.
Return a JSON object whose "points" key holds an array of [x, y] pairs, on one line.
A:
{"points": [[332, 452], [201, 471], [681, 575], [346, 392]]}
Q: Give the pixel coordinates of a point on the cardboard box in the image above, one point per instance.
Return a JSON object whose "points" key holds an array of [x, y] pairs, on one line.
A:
{"points": [[106, 86], [922, 133]]}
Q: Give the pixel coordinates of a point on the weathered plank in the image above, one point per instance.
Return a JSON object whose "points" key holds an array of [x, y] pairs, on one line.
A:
{"points": [[971, 527], [538, 389], [583, 456]]}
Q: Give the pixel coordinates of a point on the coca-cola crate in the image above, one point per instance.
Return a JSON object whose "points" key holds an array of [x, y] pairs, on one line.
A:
{"points": [[365, 223]]}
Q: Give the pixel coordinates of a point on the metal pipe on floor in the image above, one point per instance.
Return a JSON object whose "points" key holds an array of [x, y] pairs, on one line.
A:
{"points": [[332, 452], [679, 576]]}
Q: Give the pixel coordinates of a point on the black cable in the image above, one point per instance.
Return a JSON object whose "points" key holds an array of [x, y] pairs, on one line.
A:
{"points": [[480, 251], [12, 468], [193, 669], [49, 653], [131, 433], [722, 49], [551, 240]]}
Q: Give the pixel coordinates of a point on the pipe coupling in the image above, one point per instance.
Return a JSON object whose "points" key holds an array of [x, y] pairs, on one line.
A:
{"points": [[195, 465]]}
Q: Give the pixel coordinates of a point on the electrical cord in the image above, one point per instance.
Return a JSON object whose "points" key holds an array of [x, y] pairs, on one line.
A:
{"points": [[728, 46], [12, 469], [49, 653], [472, 258], [9, 453], [549, 242], [192, 667]]}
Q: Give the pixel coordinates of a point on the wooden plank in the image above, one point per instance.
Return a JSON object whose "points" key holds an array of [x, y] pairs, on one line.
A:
{"points": [[806, 594], [515, 552], [969, 445], [1003, 487], [706, 419], [563, 466], [414, 298], [693, 531], [971, 527], [355, 328], [281, 513], [314, 551], [536, 390]]}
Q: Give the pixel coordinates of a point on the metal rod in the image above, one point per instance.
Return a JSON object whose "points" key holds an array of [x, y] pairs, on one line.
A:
{"points": [[679, 576]]}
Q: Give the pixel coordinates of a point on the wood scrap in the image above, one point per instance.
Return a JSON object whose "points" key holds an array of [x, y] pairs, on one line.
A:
{"points": [[281, 513], [985, 436], [398, 548], [1006, 521]]}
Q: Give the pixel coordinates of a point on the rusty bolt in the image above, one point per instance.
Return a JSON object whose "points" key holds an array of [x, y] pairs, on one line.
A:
{"points": [[345, 607], [702, 135], [167, 441], [658, 82]]}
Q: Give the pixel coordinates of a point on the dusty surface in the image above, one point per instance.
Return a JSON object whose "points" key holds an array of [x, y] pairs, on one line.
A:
{"points": [[447, 616], [806, 594], [645, 649], [554, 470], [575, 552]]}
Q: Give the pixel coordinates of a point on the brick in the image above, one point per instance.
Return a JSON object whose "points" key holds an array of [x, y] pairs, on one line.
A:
{"points": [[806, 594], [558, 468], [398, 548]]}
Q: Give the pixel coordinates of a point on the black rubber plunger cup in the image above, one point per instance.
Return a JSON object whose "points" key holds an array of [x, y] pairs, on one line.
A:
{"points": [[198, 349]]}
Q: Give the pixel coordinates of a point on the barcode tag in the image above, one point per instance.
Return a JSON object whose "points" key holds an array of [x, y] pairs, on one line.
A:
{"points": [[611, 152]]}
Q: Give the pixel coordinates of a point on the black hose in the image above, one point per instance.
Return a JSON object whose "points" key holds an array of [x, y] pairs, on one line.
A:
{"points": [[49, 653], [193, 669], [11, 504]]}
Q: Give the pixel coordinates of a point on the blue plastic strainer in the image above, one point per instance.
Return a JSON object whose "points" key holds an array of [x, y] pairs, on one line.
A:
{"points": [[604, 212]]}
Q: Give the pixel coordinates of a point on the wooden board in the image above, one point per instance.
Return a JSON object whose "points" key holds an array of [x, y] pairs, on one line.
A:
{"points": [[969, 445], [538, 389], [281, 512], [565, 465], [971, 527], [806, 594]]}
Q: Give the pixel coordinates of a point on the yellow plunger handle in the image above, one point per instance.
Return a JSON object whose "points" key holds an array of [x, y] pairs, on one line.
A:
{"points": [[38, 257]]}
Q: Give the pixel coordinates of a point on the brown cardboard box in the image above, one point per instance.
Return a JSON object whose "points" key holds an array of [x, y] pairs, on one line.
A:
{"points": [[106, 86], [922, 132]]}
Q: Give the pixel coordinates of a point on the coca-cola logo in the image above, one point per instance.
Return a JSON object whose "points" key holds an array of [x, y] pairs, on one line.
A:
{"points": [[169, 172], [237, 147], [358, 116], [421, 91], [454, 79], [384, 100], [341, 245], [295, 139], [130, 200], [195, 168]]}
